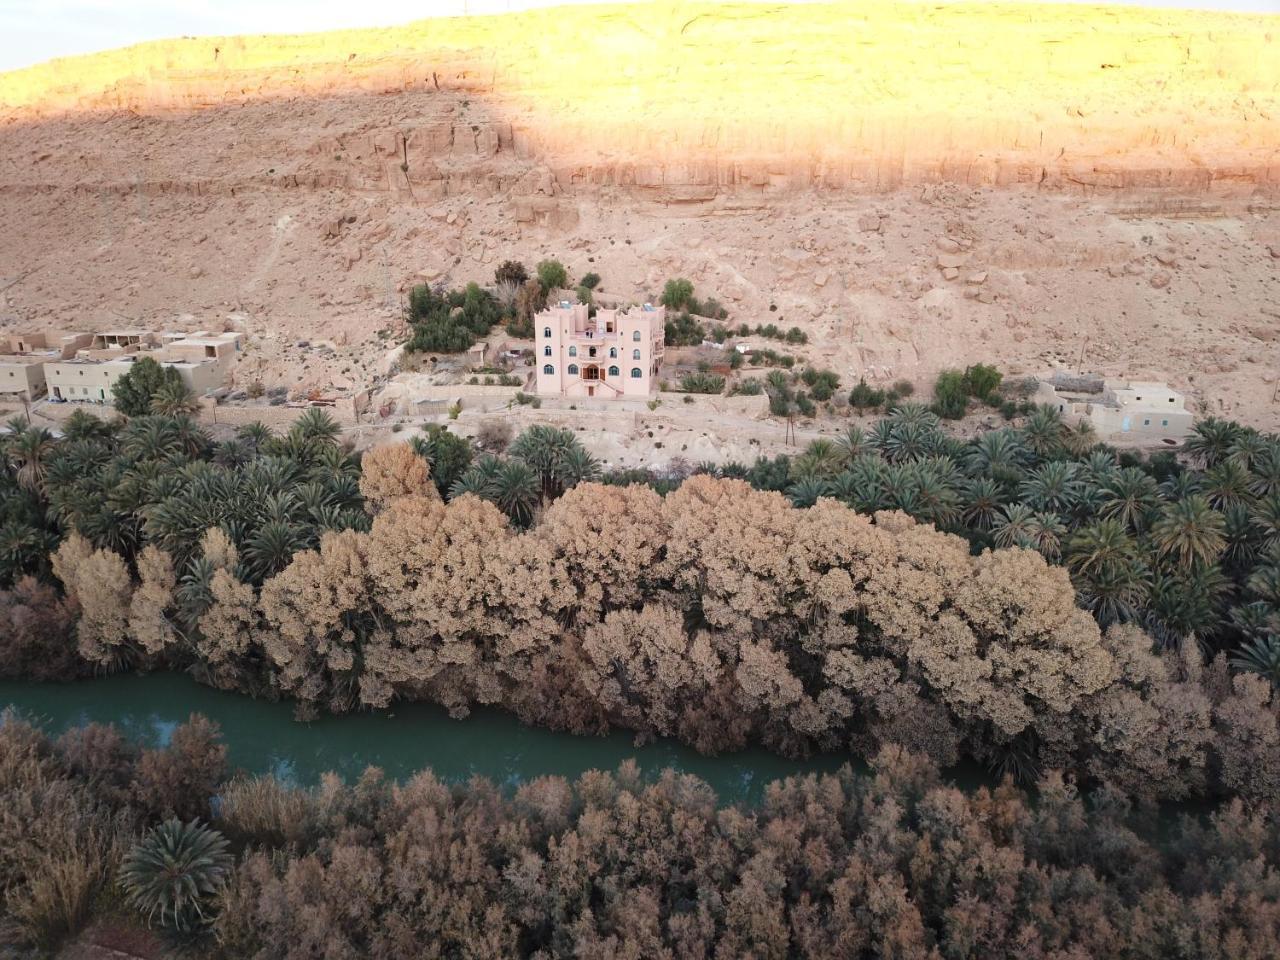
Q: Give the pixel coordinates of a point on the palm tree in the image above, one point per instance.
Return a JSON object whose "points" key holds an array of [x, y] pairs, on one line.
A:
{"points": [[478, 479], [1080, 439], [909, 441], [269, 550], [806, 491], [853, 443], [1114, 593], [821, 459], [1266, 514], [257, 434], [317, 426], [1248, 447], [1013, 527], [1261, 656], [936, 501], [1043, 431], [1266, 470], [233, 453], [1190, 531], [1211, 440], [994, 451], [82, 425], [1053, 487], [1264, 582], [1244, 540], [1046, 533], [1185, 604], [542, 448], [516, 491], [1130, 496], [151, 438], [28, 452], [982, 502], [1181, 485], [1099, 467], [175, 872], [1226, 484], [1099, 545], [173, 399], [577, 466], [916, 414]]}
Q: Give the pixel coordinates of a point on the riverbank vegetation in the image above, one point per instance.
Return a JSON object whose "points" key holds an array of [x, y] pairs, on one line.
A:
{"points": [[894, 863], [899, 586]]}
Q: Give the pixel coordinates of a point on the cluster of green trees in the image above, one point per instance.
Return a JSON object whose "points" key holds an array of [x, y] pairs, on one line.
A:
{"points": [[450, 321], [893, 863], [793, 394], [678, 295], [772, 331]]}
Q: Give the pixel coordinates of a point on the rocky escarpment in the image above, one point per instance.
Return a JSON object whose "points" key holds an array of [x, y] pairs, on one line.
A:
{"points": [[689, 102]]}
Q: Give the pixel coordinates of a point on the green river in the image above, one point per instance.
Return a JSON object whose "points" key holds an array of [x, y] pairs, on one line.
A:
{"points": [[263, 737]]}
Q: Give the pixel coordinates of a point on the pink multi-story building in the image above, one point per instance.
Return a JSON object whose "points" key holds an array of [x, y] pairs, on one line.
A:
{"points": [[616, 353]]}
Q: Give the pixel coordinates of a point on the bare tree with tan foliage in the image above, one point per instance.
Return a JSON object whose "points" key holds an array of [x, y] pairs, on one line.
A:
{"points": [[393, 471]]}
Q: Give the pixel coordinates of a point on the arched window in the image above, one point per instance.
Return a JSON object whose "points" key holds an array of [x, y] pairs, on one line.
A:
{"points": [[546, 351], [546, 332], [613, 371], [613, 352], [635, 354], [636, 336], [635, 373], [573, 369], [573, 351], [548, 369]]}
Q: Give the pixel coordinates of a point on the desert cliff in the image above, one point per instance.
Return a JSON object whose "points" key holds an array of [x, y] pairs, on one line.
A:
{"points": [[918, 186]]}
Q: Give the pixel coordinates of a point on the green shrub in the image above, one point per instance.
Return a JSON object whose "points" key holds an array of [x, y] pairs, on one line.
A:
{"points": [[904, 388], [134, 391], [683, 331], [865, 397], [822, 383], [449, 322], [805, 405], [677, 294], [591, 281], [982, 381], [175, 872], [796, 335], [584, 295], [747, 388], [950, 394], [552, 275]]}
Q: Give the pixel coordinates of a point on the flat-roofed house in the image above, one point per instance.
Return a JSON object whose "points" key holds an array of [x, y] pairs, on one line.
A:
{"points": [[203, 361], [616, 353], [1133, 410], [22, 377], [85, 379]]}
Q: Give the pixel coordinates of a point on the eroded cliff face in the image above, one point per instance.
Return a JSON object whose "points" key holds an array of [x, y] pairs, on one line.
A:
{"points": [[916, 187], [691, 102]]}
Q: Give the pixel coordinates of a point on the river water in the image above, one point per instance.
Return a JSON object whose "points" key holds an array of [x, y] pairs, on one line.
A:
{"points": [[263, 737]]}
